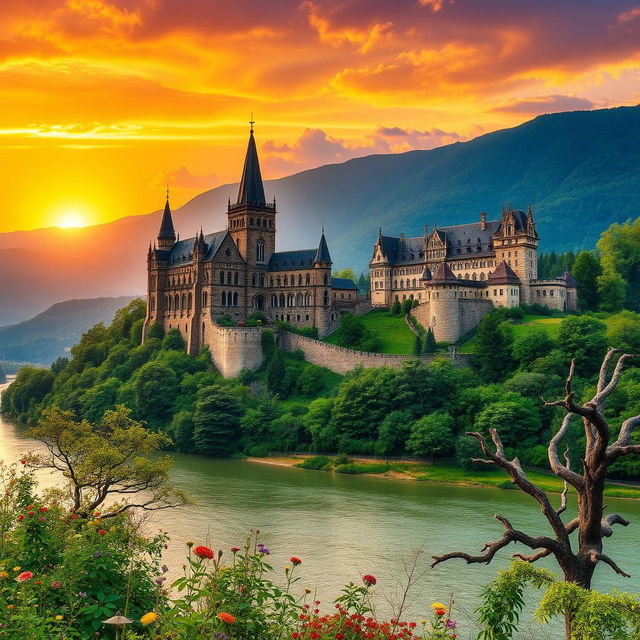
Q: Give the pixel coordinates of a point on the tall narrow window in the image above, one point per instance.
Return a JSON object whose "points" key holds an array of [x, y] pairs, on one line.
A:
{"points": [[222, 277], [236, 276], [224, 298], [260, 251], [235, 299]]}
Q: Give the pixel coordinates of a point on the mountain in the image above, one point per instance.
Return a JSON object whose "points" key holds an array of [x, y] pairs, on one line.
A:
{"points": [[48, 336], [579, 170]]}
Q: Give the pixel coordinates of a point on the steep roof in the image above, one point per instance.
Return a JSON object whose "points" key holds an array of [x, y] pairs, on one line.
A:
{"points": [[166, 225], [503, 274], [443, 273], [182, 251], [322, 254], [343, 283], [251, 189], [569, 280], [288, 260]]}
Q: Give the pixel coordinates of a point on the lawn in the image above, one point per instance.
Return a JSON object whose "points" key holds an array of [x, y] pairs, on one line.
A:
{"points": [[393, 333]]}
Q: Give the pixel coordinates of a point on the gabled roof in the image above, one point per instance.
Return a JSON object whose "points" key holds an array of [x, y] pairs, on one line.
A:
{"points": [[182, 251], [443, 273], [289, 260], [251, 189], [460, 237], [322, 254], [343, 283], [503, 274], [166, 225], [569, 280]]}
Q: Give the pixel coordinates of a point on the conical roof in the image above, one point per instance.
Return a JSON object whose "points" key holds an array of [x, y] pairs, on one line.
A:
{"points": [[504, 274], [251, 189], [166, 226], [322, 254], [443, 273]]}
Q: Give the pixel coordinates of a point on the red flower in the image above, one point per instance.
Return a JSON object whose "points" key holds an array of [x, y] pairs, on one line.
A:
{"points": [[295, 561], [440, 612], [102, 532], [32, 513], [23, 462], [24, 576], [235, 549], [21, 517], [74, 517], [369, 580], [43, 509], [224, 616], [203, 552]]}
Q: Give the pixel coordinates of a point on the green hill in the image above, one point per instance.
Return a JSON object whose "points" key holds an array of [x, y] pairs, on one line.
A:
{"points": [[51, 333]]}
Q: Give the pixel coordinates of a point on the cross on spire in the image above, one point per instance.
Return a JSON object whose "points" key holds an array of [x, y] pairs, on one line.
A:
{"points": [[251, 123]]}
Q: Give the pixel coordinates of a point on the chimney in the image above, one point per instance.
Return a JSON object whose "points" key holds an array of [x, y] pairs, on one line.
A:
{"points": [[483, 220]]}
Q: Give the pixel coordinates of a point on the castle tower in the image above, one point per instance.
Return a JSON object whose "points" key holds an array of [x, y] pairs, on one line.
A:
{"points": [[516, 242], [322, 266], [167, 234], [251, 220], [444, 295]]}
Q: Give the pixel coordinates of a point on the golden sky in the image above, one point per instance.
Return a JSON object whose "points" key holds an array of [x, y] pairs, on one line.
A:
{"points": [[102, 102]]}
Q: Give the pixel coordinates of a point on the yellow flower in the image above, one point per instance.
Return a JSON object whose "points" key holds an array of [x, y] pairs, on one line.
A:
{"points": [[59, 617], [190, 543], [307, 590], [10, 606], [17, 568], [3, 575], [423, 621], [437, 605], [149, 618], [287, 568]]}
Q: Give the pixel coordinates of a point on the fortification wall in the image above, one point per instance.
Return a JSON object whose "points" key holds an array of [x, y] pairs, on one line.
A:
{"points": [[234, 348], [338, 359], [471, 312]]}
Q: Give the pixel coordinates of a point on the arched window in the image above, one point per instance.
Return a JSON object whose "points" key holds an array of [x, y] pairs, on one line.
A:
{"points": [[189, 300], [224, 299], [291, 280], [279, 281], [326, 278], [253, 279], [274, 300], [222, 277], [289, 300], [307, 279], [325, 298], [299, 300], [176, 302], [260, 251], [152, 303], [229, 277], [281, 300], [236, 277], [262, 281], [299, 279], [182, 301], [204, 298], [167, 303], [235, 299]]}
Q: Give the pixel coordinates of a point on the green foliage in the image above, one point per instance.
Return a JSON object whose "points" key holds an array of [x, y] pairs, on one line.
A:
{"points": [[347, 273], [623, 331], [417, 345], [393, 433], [173, 341], [586, 271], [316, 463], [431, 435], [156, 330], [493, 347], [29, 388], [268, 343], [396, 308], [216, 421], [406, 306], [318, 423], [353, 334], [551, 265], [430, 345], [155, 389], [583, 338], [530, 346], [468, 448], [517, 420], [181, 432], [276, 378]]}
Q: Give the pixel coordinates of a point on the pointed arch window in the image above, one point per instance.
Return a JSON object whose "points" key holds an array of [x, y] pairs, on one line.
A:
{"points": [[260, 250], [253, 279], [307, 279], [282, 300]]}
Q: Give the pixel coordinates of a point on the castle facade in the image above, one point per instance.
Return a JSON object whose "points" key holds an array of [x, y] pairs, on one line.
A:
{"points": [[237, 271], [458, 273]]}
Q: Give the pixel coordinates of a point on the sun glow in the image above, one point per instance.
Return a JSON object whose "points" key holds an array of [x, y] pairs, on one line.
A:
{"points": [[72, 219]]}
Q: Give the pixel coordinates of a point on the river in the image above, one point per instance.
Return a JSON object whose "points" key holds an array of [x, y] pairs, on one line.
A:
{"points": [[343, 526]]}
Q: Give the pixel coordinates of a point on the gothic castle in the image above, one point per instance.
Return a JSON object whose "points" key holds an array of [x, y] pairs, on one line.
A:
{"points": [[456, 274]]}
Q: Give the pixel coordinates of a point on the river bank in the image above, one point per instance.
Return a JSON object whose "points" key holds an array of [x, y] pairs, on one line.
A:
{"points": [[442, 473]]}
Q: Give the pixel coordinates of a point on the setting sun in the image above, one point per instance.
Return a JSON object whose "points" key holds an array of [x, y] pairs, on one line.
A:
{"points": [[72, 220]]}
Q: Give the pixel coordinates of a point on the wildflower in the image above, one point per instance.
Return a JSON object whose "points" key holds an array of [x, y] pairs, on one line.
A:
{"points": [[43, 509], [74, 516], [149, 618], [190, 543], [102, 532], [440, 612], [56, 584], [307, 590], [450, 624], [82, 594], [235, 549], [32, 513], [203, 552], [159, 581], [437, 605], [164, 568], [10, 606], [4, 575], [226, 617], [23, 462], [59, 617], [41, 518], [369, 580], [25, 576], [21, 517], [295, 561], [16, 569], [263, 549]]}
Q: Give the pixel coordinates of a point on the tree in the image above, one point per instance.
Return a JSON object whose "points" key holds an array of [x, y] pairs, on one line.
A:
{"points": [[493, 347], [354, 334], [276, 374], [99, 398], [430, 345], [115, 460], [582, 338], [173, 340], [623, 331], [156, 330], [406, 306], [347, 273], [396, 307], [3, 375], [256, 422], [317, 421], [417, 345], [601, 450], [268, 343], [586, 270], [393, 433], [181, 431], [155, 387], [530, 346], [431, 434], [518, 418], [216, 421]]}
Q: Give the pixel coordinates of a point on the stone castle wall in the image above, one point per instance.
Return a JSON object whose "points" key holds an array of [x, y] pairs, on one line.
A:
{"points": [[235, 348], [453, 317], [471, 312]]}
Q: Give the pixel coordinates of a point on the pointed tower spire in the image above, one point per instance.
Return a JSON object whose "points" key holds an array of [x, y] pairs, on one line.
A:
{"points": [[167, 234], [251, 188], [322, 254]]}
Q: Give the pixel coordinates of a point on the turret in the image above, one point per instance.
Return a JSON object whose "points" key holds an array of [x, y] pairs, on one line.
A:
{"points": [[167, 234]]}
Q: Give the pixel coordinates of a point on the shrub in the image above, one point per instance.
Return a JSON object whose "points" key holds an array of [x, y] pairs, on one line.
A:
{"points": [[316, 463]]}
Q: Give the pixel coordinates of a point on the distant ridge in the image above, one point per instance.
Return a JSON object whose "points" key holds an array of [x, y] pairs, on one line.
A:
{"points": [[579, 170]]}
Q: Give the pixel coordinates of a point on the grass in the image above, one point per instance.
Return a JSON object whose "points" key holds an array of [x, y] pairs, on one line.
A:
{"points": [[393, 334], [451, 474]]}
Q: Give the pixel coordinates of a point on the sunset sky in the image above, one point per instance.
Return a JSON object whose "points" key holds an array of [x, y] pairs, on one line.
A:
{"points": [[102, 102]]}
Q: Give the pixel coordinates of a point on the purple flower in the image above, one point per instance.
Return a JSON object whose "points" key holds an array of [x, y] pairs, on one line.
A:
{"points": [[159, 581], [97, 554], [164, 568], [264, 550], [450, 624]]}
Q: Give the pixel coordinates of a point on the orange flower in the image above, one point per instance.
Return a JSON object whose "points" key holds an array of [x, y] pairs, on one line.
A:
{"points": [[24, 576], [203, 552], [226, 617]]}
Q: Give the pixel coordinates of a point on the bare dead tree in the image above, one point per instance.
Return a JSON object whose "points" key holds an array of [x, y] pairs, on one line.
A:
{"points": [[591, 523]]}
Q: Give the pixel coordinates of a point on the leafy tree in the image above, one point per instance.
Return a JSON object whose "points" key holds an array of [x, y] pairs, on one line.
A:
{"points": [[155, 390], [113, 460], [396, 307], [29, 388], [99, 398], [406, 306], [430, 345], [348, 273], [623, 331], [530, 346], [518, 419], [364, 283], [156, 330], [393, 433], [276, 375], [216, 421], [417, 345], [256, 422], [493, 347], [354, 334], [268, 343], [586, 270], [467, 450], [318, 423], [583, 338], [181, 430], [431, 435], [309, 383], [286, 432], [58, 365], [173, 340]]}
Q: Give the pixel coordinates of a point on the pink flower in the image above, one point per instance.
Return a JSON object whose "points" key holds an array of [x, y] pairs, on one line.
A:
{"points": [[24, 576]]}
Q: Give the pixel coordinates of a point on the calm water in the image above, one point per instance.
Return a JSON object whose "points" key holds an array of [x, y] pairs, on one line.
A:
{"points": [[343, 526]]}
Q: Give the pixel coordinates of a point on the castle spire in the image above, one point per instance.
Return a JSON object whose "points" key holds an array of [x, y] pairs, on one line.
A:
{"points": [[167, 232], [251, 189], [322, 254]]}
